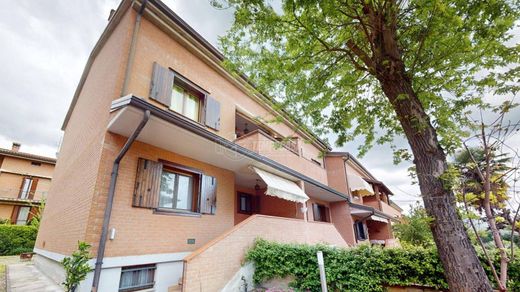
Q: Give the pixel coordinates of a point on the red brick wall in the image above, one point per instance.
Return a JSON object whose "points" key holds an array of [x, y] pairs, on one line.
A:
{"points": [[68, 210], [211, 267]]}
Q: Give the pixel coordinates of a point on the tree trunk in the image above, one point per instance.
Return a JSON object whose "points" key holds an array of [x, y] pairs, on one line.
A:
{"points": [[462, 267], [490, 216]]}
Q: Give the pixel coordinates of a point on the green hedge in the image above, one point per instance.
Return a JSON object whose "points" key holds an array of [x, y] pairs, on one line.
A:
{"points": [[355, 269], [16, 239]]}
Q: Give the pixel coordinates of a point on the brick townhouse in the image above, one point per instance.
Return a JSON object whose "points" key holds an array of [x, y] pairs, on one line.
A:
{"points": [[25, 179], [170, 167]]}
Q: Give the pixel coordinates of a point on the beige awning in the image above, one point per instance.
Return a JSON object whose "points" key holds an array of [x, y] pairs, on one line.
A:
{"points": [[359, 185], [378, 218], [281, 187]]}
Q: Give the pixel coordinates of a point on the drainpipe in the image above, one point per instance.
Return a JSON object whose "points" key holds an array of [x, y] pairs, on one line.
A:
{"points": [[110, 200], [133, 44]]}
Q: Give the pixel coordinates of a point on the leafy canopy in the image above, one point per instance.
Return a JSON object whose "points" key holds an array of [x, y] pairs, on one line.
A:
{"points": [[311, 56], [414, 229]]}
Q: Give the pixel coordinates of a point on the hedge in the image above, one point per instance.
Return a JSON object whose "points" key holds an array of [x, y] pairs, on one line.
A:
{"points": [[16, 239], [362, 268]]}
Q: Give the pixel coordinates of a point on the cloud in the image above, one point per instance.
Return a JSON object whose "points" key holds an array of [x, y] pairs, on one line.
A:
{"points": [[45, 48]]}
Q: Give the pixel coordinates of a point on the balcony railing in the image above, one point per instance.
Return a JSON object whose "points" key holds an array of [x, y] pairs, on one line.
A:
{"points": [[389, 210], [17, 194], [281, 152]]}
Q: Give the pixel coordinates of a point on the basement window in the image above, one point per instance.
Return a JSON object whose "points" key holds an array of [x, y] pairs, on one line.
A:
{"points": [[136, 278]]}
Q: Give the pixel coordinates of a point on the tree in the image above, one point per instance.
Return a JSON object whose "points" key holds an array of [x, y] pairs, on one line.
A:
{"points": [[414, 228], [381, 68], [485, 171]]}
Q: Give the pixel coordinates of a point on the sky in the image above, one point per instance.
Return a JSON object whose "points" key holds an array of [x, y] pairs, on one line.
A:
{"points": [[45, 48]]}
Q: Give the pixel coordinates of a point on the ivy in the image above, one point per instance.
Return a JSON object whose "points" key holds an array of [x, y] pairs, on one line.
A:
{"points": [[362, 268]]}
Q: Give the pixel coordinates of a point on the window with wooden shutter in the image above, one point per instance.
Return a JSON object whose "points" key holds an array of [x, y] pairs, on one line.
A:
{"points": [[162, 84], [25, 188], [147, 183], [320, 213], [208, 195], [212, 113], [360, 230]]}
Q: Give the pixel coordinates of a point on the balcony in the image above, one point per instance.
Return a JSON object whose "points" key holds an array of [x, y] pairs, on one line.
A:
{"points": [[283, 152], [389, 210]]}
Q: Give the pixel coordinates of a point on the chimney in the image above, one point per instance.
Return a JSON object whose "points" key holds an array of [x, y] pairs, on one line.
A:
{"points": [[16, 146]]}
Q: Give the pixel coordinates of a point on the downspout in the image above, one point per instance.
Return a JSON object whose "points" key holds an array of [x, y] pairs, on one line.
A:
{"points": [[110, 199], [133, 45]]}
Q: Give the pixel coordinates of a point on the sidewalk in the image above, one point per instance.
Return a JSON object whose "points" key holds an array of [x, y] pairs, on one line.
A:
{"points": [[24, 277]]}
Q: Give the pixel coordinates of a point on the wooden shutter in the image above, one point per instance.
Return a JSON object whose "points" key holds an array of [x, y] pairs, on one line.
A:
{"points": [[14, 214], [20, 192], [32, 191], [162, 84], [212, 113], [326, 216], [208, 195], [316, 212], [147, 184]]}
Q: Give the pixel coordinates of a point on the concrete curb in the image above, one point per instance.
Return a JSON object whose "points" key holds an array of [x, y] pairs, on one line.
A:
{"points": [[7, 282]]}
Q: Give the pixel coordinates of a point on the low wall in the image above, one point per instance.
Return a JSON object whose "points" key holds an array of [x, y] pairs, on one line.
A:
{"points": [[211, 267]]}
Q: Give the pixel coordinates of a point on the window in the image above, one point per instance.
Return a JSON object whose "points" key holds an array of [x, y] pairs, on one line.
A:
{"points": [[176, 190], [320, 212], [245, 203], [137, 278], [23, 215], [169, 187], [360, 230], [185, 102], [26, 188]]}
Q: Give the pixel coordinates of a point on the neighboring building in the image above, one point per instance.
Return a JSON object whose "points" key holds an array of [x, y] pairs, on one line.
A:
{"points": [[206, 175], [24, 182], [370, 204]]}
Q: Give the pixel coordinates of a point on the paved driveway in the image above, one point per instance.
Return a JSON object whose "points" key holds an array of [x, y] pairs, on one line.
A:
{"points": [[23, 277]]}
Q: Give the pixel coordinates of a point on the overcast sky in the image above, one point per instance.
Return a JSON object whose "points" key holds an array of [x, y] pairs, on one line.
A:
{"points": [[45, 46]]}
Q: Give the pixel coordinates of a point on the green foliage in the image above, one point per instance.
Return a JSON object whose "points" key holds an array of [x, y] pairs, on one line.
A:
{"points": [[472, 184], [356, 269], [301, 53], [37, 215], [76, 266], [414, 229], [362, 268], [16, 239]]}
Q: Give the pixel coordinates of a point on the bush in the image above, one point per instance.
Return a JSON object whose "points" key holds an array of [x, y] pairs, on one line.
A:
{"points": [[76, 267], [362, 268], [16, 239]]}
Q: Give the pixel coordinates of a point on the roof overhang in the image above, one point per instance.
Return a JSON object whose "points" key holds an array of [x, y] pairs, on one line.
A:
{"points": [[173, 132], [370, 213]]}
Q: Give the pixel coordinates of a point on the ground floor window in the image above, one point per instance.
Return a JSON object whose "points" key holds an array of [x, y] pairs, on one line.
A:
{"points": [[137, 277], [321, 213], [245, 203], [359, 228], [23, 215]]}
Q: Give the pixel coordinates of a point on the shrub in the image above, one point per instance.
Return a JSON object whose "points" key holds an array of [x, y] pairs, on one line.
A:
{"points": [[362, 268], [76, 267], [15, 239]]}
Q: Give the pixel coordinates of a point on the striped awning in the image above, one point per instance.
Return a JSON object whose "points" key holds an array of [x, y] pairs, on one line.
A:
{"points": [[359, 185], [280, 187]]}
